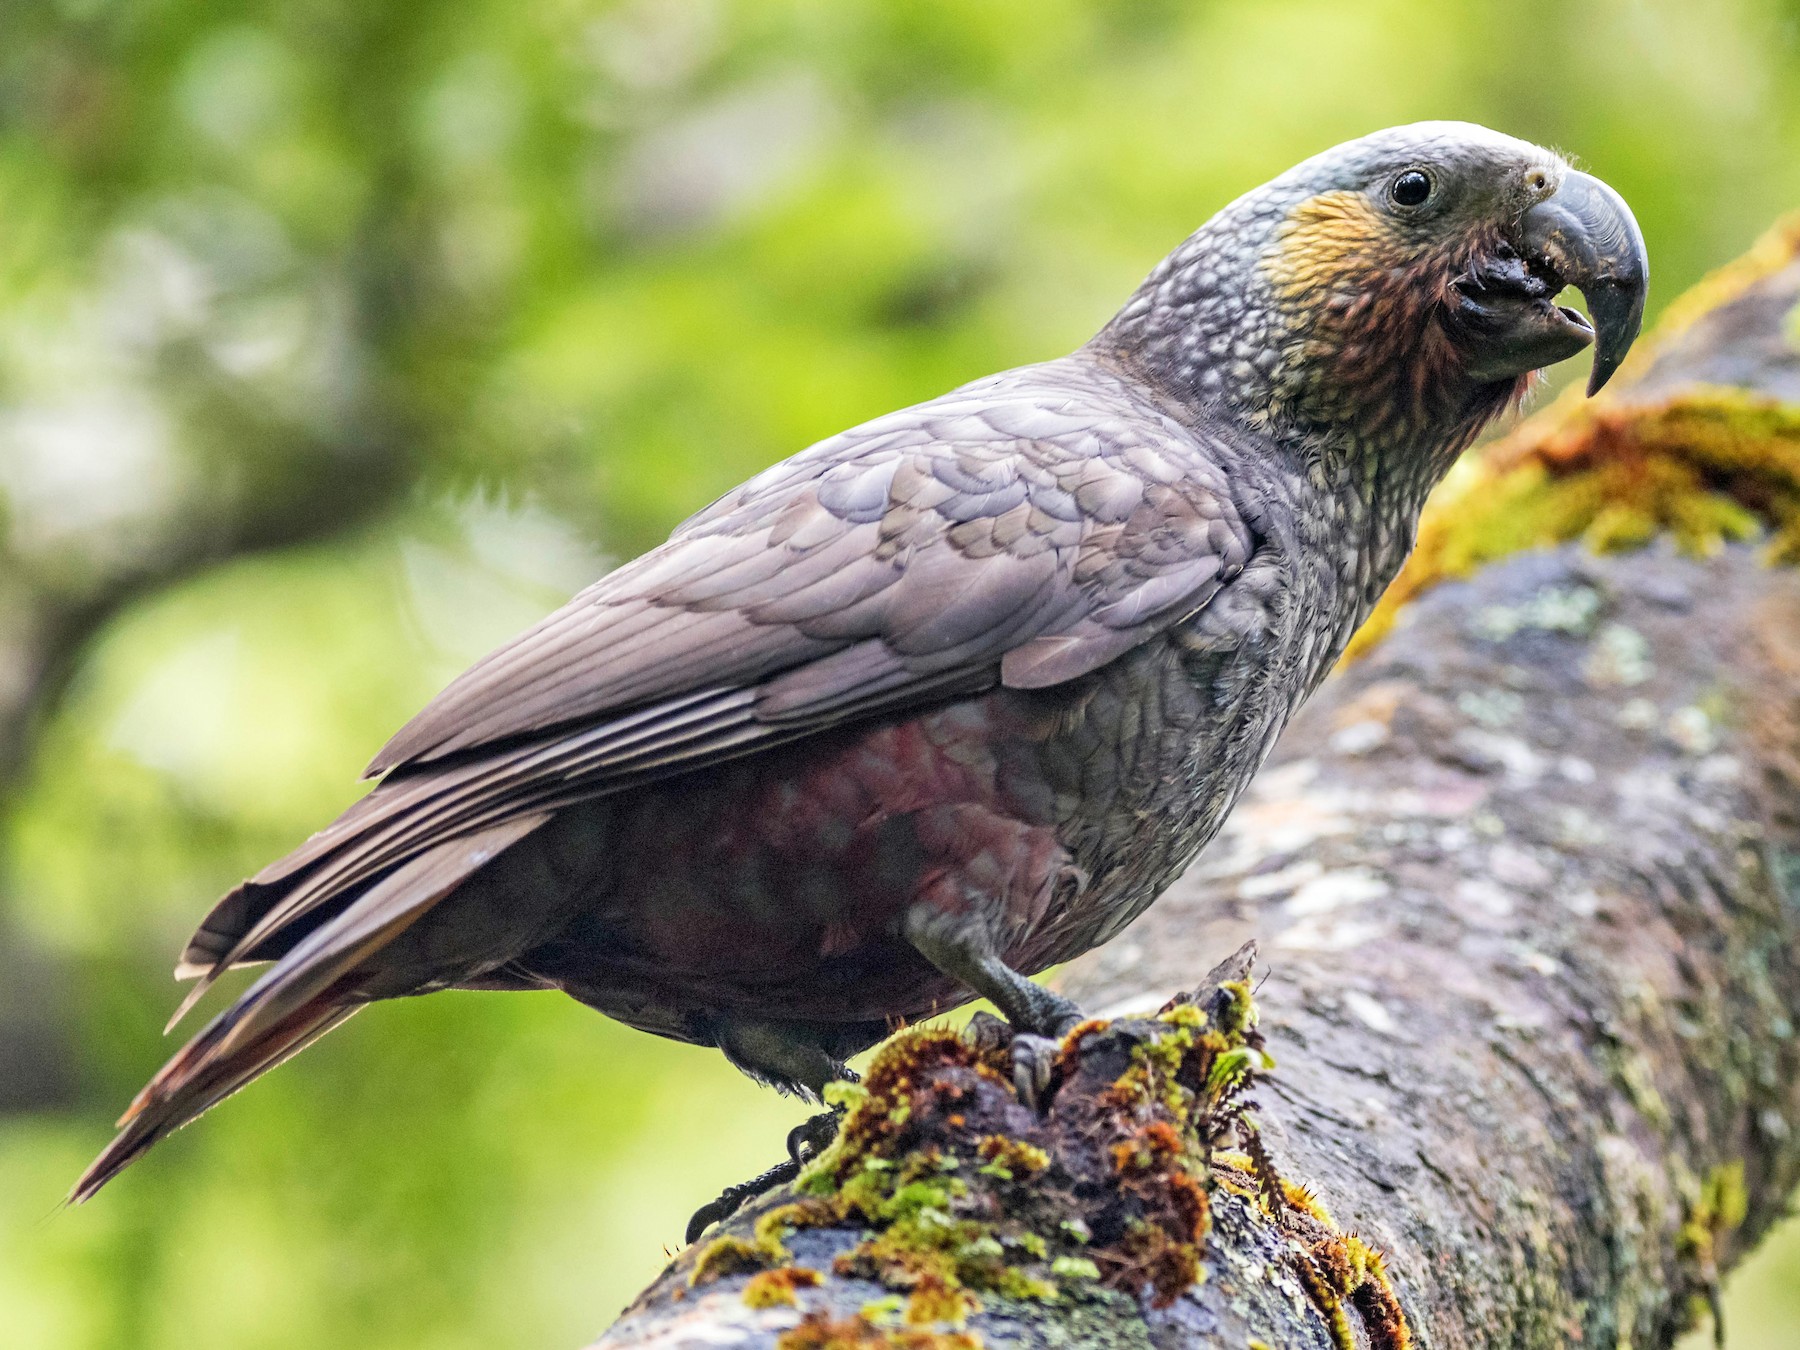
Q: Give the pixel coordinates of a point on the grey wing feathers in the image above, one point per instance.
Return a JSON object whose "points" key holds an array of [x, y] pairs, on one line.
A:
{"points": [[952, 534], [1024, 530]]}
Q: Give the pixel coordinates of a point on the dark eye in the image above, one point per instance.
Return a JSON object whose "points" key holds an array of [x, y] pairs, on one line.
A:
{"points": [[1410, 188]]}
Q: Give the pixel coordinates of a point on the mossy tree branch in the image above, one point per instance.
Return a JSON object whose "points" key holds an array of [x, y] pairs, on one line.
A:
{"points": [[1526, 883]]}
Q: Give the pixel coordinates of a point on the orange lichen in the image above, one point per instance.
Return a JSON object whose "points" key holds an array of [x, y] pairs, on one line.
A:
{"points": [[961, 1191]]}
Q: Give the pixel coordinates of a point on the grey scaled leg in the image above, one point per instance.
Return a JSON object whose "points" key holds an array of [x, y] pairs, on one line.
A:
{"points": [[963, 949]]}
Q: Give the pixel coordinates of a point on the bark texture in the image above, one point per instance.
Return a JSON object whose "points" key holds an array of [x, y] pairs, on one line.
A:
{"points": [[1525, 882]]}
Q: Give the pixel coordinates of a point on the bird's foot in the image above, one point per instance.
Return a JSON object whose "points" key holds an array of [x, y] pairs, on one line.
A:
{"points": [[813, 1136], [1033, 1061], [988, 1032], [805, 1141], [733, 1198], [1033, 1057]]}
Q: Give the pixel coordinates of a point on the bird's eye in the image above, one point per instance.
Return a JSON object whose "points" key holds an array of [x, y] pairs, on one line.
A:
{"points": [[1411, 188]]}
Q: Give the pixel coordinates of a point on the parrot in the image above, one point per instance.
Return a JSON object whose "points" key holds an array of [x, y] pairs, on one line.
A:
{"points": [[950, 697]]}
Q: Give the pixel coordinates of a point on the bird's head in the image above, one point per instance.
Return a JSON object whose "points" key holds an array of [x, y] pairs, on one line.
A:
{"points": [[1397, 290]]}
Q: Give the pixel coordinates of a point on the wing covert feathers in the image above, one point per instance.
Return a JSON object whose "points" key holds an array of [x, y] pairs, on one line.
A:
{"points": [[1049, 505]]}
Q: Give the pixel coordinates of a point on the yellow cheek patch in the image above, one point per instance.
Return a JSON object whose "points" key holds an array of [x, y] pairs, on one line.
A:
{"points": [[1360, 297], [1331, 239]]}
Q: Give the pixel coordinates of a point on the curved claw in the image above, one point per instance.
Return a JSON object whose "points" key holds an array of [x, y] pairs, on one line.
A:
{"points": [[813, 1136], [733, 1198], [1033, 1061]]}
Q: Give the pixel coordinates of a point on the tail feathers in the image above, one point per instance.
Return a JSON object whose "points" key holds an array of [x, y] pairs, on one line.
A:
{"points": [[316, 985], [364, 842], [198, 1079]]}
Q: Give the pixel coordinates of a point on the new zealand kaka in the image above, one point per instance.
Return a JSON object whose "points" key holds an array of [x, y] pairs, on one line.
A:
{"points": [[951, 696]]}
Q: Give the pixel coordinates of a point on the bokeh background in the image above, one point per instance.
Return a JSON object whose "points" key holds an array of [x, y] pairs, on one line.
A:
{"points": [[340, 339]]}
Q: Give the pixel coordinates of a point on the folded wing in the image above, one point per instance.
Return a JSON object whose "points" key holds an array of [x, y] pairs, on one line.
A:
{"points": [[1017, 534]]}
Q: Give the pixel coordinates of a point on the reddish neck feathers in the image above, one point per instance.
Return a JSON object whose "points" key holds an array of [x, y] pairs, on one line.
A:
{"points": [[1370, 355]]}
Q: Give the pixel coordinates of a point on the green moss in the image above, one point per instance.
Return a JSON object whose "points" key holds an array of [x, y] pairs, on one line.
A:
{"points": [[1011, 1159], [728, 1255], [878, 1110], [1372, 1295], [955, 1210], [1236, 1017], [1302, 1198], [1109, 1192], [885, 1311], [1707, 467], [777, 1288], [1777, 247], [1343, 1275], [1326, 1297], [1074, 1268], [819, 1331], [775, 1227], [1717, 1213]]}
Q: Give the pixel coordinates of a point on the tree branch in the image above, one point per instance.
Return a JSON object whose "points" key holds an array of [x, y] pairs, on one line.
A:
{"points": [[1526, 884]]}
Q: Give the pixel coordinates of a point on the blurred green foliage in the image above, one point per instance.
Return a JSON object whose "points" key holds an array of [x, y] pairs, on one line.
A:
{"points": [[576, 268]]}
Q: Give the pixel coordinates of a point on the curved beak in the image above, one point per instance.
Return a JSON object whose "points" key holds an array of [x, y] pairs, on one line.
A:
{"points": [[1587, 236]]}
